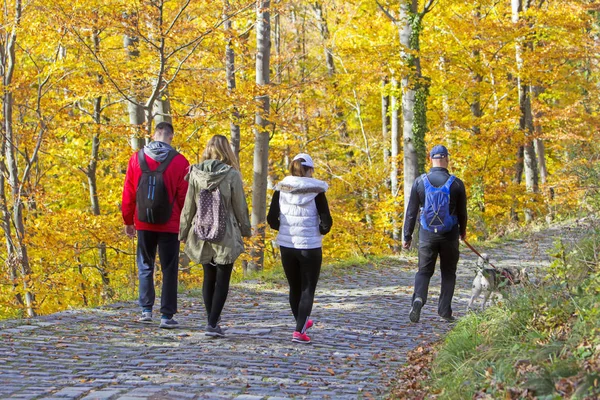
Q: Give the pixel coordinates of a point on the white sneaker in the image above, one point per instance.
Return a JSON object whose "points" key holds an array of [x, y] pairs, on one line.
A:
{"points": [[168, 323], [146, 317]]}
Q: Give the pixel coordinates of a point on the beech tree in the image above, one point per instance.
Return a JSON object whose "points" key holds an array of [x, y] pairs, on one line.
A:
{"points": [[345, 82], [261, 135]]}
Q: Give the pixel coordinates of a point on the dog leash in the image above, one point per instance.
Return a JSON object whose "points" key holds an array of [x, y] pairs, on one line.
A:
{"points": [[476, 252], [502, 272]]}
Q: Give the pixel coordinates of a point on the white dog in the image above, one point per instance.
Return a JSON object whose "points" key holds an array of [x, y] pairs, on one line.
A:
{"points": [[490, 280]]}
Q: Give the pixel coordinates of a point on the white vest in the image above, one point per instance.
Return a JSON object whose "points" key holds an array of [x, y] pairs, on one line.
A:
{"points": [[298, 218]]}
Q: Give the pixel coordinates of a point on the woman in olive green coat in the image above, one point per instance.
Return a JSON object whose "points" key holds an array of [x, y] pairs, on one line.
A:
{"points": [[219, 168]]}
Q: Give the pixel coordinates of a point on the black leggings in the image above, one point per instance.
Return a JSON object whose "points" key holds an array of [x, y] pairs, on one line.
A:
{"points": [[215, 289], [302, 269]]}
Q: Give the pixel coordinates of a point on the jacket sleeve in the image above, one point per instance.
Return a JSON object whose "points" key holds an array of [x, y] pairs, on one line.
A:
{"points": [[325, 216], [240, 207], [182, 184], [273, 215], [129, 190], [461, 209], [412, 212], [187, 213]]}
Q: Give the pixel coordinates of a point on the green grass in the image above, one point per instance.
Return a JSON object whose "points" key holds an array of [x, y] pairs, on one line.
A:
{"points": [[542, 342]]}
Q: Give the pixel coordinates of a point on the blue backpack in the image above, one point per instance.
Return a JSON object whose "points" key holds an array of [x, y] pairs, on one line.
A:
{"points": [[435, 214]]}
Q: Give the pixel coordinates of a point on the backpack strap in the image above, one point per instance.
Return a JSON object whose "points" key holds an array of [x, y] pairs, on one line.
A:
{"points": [[142, 161], [446, 185], [161, 167], [449, 183], [426, 182]]}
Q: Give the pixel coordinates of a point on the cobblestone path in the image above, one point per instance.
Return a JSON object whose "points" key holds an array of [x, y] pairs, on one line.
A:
{"points": [[360, 338]]}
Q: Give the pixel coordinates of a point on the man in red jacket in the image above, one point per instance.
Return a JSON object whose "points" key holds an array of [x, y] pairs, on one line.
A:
{"points": [[152, 230]]}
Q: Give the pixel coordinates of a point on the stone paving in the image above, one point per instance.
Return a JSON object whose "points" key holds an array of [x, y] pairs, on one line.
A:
{"points": [[360, 339]]}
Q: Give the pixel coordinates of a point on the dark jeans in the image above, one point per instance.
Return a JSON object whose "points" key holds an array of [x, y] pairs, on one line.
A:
{"points": [[428, 253], [168, 253], [215, 289], [302, 269]]}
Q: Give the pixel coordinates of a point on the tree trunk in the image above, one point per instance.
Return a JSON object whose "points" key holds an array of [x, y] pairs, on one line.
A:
{"points": [[162, 109], [414, 93], [17, 249], [19, 256], [231, 84], [91, 172], [526, 114], [135, 111], [476, 80], [538, 142], [277, 39], [324, 31], [329, 62], [540, 151], [531, 171], [395, 151], [10, 261], [445, 104], [298, 22], [261, 136], [385, 124], [159, 87], [409, 42], [368, 215], [519, 165]]}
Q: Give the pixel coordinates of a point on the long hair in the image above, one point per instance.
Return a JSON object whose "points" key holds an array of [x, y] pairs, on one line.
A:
{"points": [[218, 148], [297, 169]]}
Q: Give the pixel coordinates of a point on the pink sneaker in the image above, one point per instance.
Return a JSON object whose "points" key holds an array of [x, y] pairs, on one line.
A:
{"points": [[309, 325], [300, 338]]}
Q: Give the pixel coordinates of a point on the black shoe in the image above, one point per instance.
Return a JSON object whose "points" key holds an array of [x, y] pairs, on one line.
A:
{"points": [[449, 319], [214, 331], [415, 311]]}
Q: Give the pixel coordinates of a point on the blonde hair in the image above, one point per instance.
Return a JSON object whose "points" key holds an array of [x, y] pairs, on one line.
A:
{"points": [[297, 169], [218, 148]]}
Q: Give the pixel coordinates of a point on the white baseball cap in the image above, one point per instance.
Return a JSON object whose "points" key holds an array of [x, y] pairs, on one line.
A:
{"points": [[308, 162]]}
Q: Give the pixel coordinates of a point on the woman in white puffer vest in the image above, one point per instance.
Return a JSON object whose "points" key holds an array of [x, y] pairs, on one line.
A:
{"points": [[299, 211]]}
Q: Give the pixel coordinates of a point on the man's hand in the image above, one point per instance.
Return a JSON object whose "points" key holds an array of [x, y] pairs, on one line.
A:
{"points": [[406, 245], [130, 230], [463, 237]]}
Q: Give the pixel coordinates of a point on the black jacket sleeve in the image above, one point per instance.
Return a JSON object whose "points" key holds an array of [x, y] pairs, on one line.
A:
{"points": [[273, 215], [412, 211], [324, 214], [461, 207]]}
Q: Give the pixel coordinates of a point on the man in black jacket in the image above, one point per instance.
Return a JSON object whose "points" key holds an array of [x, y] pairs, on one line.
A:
{"points": [[433, 243]]}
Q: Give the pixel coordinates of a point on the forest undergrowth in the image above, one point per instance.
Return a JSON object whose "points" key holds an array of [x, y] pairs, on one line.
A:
{"points": [[541, 343]]}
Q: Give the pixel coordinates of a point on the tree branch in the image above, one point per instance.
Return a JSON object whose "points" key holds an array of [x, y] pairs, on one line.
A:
{"points": [[195, 42], [187, 3], [139, 34], [159, 76], [386, 12], [428, 7], [105, 69]]}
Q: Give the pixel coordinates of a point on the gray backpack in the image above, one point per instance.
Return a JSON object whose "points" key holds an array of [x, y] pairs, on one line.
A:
{"points": [[210, 216]]}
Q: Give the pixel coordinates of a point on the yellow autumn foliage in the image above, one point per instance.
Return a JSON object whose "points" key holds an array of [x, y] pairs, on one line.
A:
{"points": [[70, 57]]}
